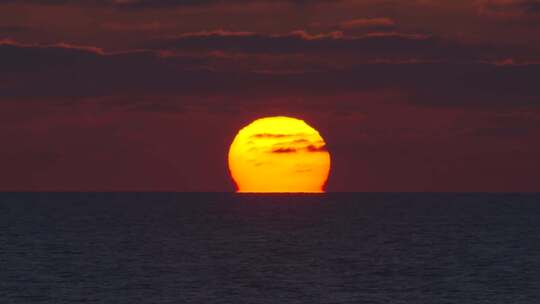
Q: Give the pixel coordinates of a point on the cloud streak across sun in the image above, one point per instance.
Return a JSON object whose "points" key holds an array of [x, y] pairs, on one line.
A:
{"points": [[279, 154]]}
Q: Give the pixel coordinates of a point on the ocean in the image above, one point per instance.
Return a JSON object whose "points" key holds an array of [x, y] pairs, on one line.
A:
{"points": [[229, 248]]}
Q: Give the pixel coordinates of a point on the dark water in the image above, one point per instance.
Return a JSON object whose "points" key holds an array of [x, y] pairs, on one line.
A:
{"points": [[224, 248]]}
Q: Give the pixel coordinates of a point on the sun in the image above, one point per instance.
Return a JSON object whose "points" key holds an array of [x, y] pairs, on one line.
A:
{"points": [[279, 154]]}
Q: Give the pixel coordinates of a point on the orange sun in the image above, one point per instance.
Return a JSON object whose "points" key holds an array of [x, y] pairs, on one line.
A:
{"points": [[279, 154]]}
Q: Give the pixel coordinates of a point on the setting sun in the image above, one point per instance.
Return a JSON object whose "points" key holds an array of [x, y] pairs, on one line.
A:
{"points": [[279, 154]]}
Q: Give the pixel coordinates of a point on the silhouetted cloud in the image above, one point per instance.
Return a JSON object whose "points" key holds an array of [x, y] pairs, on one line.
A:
{"points": [[300, 141], [284, 150], [73, 71], [270, 135], [314, 148], [528, 6], [376, 47], [311, 148], [146, 4], [379, 23]]}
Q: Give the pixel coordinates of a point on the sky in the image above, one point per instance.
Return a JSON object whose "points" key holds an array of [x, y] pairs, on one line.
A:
{"points": [[147, 95]]}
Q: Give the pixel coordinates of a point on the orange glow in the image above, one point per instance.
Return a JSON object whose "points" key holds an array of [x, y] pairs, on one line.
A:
{"points": [[279, 154]]}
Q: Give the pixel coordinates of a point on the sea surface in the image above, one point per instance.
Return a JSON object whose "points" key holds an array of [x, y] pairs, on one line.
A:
{"points": [[228, 248]]}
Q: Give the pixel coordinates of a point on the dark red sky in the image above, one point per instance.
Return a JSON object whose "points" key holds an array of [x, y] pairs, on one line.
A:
{"points": [[410, 95]]}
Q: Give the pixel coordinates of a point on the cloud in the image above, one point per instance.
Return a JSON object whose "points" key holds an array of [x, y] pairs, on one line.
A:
{"points": [[284, 150], [279, 136], [172, 3], [70, 71], [314, 148], [269, 135], [374, 47], [62, 46], [309, 148], [64, 70], [300, 141], [383, 23], [509, 8], [146, 4]]}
